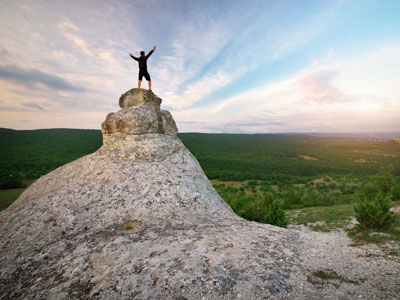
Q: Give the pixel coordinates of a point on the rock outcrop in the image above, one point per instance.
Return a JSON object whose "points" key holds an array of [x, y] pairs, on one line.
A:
{"points": [[138, 219]]}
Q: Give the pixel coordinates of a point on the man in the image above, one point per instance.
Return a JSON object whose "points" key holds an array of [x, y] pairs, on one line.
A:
{"points": [[142, 61]]}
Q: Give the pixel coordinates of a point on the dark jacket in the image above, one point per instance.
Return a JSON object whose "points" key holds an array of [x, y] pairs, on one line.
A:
{"points": [[142, 61]]}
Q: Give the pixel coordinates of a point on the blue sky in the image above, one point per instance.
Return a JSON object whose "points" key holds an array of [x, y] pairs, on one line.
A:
{"points": [[219, 66]]}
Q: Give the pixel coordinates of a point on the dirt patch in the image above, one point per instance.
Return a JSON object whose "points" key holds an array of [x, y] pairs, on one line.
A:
{"points": [[361, 160], [396, 209], [375, 152], [324, 179], [306, 157], [235, 184]]}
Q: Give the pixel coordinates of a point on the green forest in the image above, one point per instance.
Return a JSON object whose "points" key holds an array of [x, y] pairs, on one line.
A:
{"points": [[28, 154], [275, 159], [259, 175], [288, 158]]}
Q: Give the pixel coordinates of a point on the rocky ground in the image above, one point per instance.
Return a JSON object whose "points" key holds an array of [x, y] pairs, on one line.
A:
{"points": [[340, 268]]}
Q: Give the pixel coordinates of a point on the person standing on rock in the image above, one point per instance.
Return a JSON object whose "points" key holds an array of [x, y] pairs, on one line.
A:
{"points": [[142, 61]]}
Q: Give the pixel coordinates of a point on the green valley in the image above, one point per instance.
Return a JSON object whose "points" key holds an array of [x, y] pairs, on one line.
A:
{"points": [[321, 176]]}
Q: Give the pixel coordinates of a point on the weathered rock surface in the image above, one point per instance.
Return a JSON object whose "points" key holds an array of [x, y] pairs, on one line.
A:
{"points": [[140, 115], [139, 120], [147, 147], [139, 97], [138, 219]]}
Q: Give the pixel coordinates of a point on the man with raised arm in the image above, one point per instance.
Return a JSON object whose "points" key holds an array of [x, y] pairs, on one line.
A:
{"points": [[142, 61]]}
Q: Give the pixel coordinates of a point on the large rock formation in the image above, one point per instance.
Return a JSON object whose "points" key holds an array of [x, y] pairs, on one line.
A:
{"points": [[138, 219]]}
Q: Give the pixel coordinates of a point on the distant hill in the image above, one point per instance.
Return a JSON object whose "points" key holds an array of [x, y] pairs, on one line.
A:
{"points": [[377, 136]]}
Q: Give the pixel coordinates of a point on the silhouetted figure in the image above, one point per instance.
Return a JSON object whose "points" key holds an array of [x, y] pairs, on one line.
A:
{"points": [[142, 61]]}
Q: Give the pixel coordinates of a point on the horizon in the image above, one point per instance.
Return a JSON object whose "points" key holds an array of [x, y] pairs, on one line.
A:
{"points": [[220, 67], [396, 133]]}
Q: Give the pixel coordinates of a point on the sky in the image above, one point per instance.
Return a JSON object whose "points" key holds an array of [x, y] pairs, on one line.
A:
{"points": [[219, 66]]}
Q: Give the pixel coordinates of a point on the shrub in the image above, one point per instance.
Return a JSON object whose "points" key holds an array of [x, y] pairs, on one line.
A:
{"points": [[327, 200], [259, 209], [375, 213], [395, 192], [252, 183], [310, 198], [384, 179], [293, 199], [332, 185], [350, 190], [370, 191], [275, 215], [254, 209]]}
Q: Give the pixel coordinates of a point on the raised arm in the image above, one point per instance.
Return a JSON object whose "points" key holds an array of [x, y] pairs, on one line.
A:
{"points": [[151, 52], [135, 58]]}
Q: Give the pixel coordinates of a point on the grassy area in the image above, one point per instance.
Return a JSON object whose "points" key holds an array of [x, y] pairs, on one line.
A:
{"points": [[392, 234], [327, 218], [338, 212], [8, 196]]}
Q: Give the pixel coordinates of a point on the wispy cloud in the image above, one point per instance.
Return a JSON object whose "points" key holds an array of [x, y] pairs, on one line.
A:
{"points": [[33, 105], [317, 86], [193, 48], [213, 55], [3, 51], [316, 98], [66, 28], [35, 77], [67, 25]]}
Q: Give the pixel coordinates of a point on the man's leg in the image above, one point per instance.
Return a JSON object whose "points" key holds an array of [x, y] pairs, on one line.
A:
{"points": [[147, 76], [138, 84]]}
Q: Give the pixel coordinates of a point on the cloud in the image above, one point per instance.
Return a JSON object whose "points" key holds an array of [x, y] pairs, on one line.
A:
{"points": [[45, 119], [184, 70], [66, 27], [3, 51], [337, 95], [32, 77], [251, 123], [79, 42], [211, 54], [20, 107], [325, 58], [218, 67], [33, 105], [317, 86], [192, 122]]}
